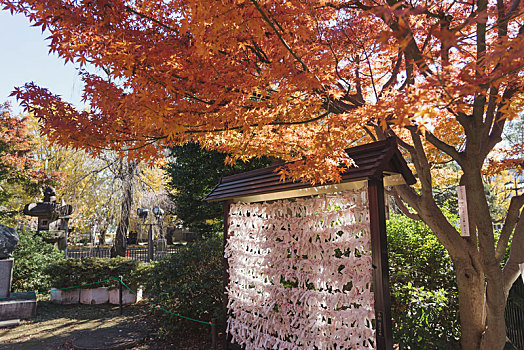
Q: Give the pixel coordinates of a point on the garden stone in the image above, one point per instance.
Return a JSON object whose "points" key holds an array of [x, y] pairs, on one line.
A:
{"points": [[8, 241], [94, 295], [127, 296], [68, 296]]}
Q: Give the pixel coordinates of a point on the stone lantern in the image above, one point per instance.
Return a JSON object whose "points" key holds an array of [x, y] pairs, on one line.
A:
{"points": [[53, 217]]}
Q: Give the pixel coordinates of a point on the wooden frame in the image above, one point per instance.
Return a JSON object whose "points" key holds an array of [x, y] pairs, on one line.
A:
{"points": [[379, 256], [262, 185]]}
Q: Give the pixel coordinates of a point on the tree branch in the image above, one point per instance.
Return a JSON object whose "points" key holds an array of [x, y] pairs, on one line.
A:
{"points": [[421, 163], [394, 74], [403, 143], [503, 19], [490, 111], [321, 116], [400, 204], [349, 5], [495, 135], [443, 146], [157, 22], [480, 99], [279, 35], [511, 269], [512, 218]]}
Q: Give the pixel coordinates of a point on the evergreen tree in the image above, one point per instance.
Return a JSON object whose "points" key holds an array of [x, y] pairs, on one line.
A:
{"points": [[192, 173]]}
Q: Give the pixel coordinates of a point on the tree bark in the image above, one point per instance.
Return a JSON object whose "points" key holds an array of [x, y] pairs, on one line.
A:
{"points": [[482, 284], [470, 283], [128, 174]]}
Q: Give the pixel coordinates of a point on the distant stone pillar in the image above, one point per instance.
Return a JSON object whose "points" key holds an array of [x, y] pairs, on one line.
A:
{"points": [[6, 269], [8, 242], [13, 306]]}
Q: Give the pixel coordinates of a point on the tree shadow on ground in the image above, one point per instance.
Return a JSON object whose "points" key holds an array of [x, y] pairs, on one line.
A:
{"points": [[56, 326]]}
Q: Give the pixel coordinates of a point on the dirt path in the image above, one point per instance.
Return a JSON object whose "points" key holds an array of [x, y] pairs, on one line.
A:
{"points": [[57, 325]]}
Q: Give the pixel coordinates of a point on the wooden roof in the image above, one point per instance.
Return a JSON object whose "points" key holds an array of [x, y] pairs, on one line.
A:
{"points": [[372, 160]]}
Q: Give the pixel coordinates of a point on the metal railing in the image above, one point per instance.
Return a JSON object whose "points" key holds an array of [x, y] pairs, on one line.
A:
{"points": [[514, 315], [135, 253]]}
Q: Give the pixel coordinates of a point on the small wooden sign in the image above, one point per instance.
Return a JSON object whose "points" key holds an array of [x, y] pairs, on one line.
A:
{"points": [[463, 211], [522, 271]]}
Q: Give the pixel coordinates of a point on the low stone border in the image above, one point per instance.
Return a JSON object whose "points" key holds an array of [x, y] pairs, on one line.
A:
{"points": [[90, 296]]}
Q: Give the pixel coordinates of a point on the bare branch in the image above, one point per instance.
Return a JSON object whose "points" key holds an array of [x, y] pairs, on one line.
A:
{"points": [[400, 204], [495, 135], [408, 194], [394, 74], [490, 110], [511, 269], [512, 218], [443, 146], [421, 163]]}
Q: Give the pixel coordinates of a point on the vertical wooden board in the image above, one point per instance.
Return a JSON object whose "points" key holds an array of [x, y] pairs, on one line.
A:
{"points": [[377, 219], [463, 211]]}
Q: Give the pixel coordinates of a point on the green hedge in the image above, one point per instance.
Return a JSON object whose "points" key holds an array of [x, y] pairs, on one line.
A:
{"points": [[74, 272], [31, 258], [423, 288], [188, 283]]}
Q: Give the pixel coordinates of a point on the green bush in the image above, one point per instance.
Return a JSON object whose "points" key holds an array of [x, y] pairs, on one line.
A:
{"points": [[423, 288], [74, 272], [188, 283], [31, 257]]}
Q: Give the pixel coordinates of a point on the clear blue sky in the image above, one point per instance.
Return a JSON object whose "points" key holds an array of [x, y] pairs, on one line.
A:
{"points": [[24, 57]]}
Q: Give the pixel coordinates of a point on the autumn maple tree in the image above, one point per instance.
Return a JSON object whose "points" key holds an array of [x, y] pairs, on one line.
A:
{"points": [[18, 174], [304, 80]]}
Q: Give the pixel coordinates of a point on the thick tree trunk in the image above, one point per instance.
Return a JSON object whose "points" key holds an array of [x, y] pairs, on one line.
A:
{"points": [[470, 282], [495, 335], [120, 244], [481, 304], [480, 279]]}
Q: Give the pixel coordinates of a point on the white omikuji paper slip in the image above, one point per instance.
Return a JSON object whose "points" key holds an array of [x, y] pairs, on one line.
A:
{"points": [[300, 273]]}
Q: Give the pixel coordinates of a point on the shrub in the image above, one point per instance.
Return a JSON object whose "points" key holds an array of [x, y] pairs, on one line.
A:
{"points": [[188, 283], [74, 272], [423, 288], [31, 258]]}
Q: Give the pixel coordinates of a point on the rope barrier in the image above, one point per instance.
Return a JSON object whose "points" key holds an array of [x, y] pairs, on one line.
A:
{"points": [[165, 310], [49, 291], [125, 285]]}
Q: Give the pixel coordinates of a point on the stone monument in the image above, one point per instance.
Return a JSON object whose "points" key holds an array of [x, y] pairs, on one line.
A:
{"points": [[13, 306], [8, 242]]}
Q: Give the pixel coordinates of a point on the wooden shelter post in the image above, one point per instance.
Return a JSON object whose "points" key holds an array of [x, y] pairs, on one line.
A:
{"points": [[377, 219], [225, 274]]}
